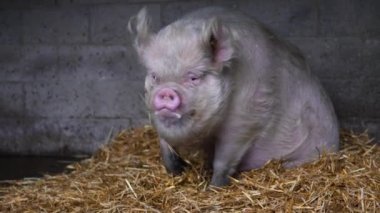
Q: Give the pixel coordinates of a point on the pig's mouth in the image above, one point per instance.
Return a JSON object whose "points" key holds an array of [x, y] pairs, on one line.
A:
{"points": [[172, 118]]}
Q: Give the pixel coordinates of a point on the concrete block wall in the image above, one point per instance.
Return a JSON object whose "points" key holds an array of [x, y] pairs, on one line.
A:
{"points": [[69, 76]]}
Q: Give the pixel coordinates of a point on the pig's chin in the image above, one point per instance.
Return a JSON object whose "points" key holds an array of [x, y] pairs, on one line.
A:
{"points": [[168, 119], [173, 119], [174, 126]]}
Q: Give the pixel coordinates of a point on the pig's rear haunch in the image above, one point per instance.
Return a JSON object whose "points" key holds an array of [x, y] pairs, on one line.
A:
{"points": [[220, 79]]}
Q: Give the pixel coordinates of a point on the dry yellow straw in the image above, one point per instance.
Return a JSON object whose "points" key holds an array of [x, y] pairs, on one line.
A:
{"points": [[127, 176]]}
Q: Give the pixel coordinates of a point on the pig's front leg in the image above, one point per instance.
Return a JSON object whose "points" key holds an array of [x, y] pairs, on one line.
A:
{"points": [[173, 163], [229, 151]]}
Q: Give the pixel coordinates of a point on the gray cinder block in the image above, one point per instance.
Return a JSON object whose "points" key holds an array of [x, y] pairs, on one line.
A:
{"points": [[286, 18], [56, 25], [84, 99], [109, 22], [98, 62], [11, 100], [10, 27]]}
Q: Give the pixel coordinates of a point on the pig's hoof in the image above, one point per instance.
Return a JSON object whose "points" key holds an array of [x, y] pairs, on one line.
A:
{"points": [[176, 165], [220, 181]]}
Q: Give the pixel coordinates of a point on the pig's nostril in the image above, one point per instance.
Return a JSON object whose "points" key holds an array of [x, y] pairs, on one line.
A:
{"points": [[167, 97]]}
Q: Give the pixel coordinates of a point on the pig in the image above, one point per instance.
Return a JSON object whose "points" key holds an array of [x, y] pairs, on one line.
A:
{"points": [[218, 79]]}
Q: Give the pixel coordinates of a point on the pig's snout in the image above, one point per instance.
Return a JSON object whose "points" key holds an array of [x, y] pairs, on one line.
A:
{"points": [[166, 98]]}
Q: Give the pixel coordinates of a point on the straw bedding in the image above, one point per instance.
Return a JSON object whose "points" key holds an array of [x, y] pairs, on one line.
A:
{"points": [[127, 176]]}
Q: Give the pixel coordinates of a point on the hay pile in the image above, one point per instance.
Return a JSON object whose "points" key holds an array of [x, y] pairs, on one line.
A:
{"points": [[127, 176]]}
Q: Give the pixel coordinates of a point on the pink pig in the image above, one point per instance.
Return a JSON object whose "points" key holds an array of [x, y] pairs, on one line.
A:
{"points": [[220, 79]]}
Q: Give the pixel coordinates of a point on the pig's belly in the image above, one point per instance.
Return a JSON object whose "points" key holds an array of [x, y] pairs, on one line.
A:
{"points": [[258, 155], [297, 147], [297, 139]]}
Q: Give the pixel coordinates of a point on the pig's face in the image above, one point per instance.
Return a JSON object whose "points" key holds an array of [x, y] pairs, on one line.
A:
{"points": [[184, 89], [186, 84]]}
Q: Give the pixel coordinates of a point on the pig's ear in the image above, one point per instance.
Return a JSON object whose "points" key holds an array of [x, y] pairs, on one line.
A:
{"points": [[217, 40], [139, 26]]}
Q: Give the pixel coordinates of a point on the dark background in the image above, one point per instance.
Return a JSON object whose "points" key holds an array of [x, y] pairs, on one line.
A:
{"points": [[69, 77]]}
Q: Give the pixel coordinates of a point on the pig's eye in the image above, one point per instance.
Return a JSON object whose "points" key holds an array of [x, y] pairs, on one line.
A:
{"points": [[154, 77], [193, 78]]}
